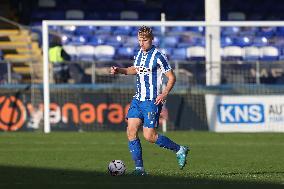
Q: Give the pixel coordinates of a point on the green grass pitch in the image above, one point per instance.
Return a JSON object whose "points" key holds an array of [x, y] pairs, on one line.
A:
{"points": [[68, 159]]}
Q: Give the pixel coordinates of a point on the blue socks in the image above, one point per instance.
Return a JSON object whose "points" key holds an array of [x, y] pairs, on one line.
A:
{"points": [[136, 152], [136, 149], [167, 143]]}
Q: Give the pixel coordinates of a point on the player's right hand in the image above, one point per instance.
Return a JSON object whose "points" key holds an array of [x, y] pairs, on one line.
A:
{"points": [[113, 70]]}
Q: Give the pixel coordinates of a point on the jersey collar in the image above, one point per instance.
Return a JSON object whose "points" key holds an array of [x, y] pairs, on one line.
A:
{"points": [[150, 50]]}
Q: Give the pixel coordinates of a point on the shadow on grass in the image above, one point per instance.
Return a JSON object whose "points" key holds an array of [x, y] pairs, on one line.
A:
{"points": [[27, 177]]}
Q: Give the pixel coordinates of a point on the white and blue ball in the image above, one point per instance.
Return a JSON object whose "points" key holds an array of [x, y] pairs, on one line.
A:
{"points": [[116, 168]]}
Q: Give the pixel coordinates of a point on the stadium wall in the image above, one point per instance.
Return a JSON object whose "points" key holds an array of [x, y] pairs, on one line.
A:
{"points": [[86, 109]]}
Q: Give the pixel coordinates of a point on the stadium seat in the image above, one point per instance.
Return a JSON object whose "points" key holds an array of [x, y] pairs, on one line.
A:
{"points": [[71, 50], [65, 39], [251, 53], [69, 29], [170, 41], [85, 30], [93, 41], [157, 30], [230, 31], [179, 54], [104, 52], [96, 40], [226, 41], [74, 14], [242, 41], [280, 31], [281, 54], [269, 53], [236, 16], [115, 41], [260, 41], [46, 3], [196, 29], [78, 40], [131, 41], [267, 32], [129, 15], [125, 53], [157, 40], [122, 30], [86, 53], [167, 52], [196, 53], [232, 53], [198, 41], [177, 29], [104, 30]]}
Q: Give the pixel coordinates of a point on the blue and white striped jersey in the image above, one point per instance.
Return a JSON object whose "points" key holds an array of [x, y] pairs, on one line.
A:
{"points": [[150, 67]]}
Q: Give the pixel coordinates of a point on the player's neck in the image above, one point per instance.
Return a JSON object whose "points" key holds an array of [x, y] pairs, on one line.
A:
{"points": [[147, 50]]}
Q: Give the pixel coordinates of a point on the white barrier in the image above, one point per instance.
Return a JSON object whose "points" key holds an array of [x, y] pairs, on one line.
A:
{"points": [[249, 113]]}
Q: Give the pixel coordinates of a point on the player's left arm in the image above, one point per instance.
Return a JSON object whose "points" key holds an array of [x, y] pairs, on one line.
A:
{"points": [[170, 84]]}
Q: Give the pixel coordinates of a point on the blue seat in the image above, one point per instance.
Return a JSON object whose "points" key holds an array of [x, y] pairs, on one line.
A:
{"points": [[65, 39], [183, 44], [198, 41], [179, 54], [267, 32], [104, 52], [251, 53], [115, 41], [86, 53], [97, 40], [122, 30], [131, 41], [269, 53], [230, 31], [196, 53], [280, 31], [85, 30], [232, 53], [260, 41], [156, 30], [178, 29], [157, 40], [125, 53], [242, 41], [226, 41], [78, 40], [281, 54], [70, 30], [170, 41], [56, 15], [104, 30], [197, 29], [167, 52]]}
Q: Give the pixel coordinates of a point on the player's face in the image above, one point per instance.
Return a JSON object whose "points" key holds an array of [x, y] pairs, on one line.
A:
{"points": [[145, 43]]}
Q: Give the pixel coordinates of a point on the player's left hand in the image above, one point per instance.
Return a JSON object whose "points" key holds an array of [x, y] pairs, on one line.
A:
{"points": [[161, 98]]}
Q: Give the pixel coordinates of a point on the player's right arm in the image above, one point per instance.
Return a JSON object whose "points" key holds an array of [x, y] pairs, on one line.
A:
{"points": [[126, 71]]}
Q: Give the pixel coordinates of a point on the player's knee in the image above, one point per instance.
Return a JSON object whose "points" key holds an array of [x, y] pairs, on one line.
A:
{"points": [[131, 134], [150, 137]]}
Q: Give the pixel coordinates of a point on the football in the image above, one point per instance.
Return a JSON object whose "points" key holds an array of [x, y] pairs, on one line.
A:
{"points": [[116, 168]]}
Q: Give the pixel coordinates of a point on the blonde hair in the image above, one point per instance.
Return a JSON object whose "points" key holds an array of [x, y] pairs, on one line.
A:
{"points": [[145, 31]]}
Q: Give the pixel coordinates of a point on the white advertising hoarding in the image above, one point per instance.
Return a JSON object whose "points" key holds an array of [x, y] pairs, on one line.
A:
{"points": [[248, 113]]}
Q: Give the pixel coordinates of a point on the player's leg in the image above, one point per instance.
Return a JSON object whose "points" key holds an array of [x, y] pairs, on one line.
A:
{"points": [[151, 120], [152, 136], [134, 121], [134, 144]]}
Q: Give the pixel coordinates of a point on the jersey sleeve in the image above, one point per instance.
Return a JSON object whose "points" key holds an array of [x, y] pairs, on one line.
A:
{"points": [[164, 63]]}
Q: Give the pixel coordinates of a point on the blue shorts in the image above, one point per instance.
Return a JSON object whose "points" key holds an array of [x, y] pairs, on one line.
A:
{"points": [[147, 111]]}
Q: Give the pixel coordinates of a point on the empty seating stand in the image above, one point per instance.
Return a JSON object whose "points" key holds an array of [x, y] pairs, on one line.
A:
{"points": [[22, 53]]}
